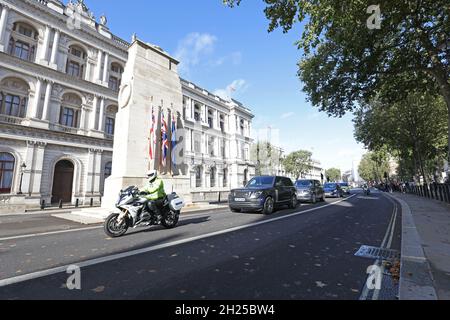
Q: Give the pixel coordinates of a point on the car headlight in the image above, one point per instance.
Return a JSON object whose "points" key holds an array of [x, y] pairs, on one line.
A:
{"points": [[256, 195]]}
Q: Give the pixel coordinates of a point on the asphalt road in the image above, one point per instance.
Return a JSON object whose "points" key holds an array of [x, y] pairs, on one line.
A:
{"points": [[306, 253]]}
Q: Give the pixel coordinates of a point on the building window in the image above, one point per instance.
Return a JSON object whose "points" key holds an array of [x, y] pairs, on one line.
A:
{"points": [[197, 113], [197, 144], [76, 62], [212, 177], [114, 83], [210, 119], [242, 126], [211, 146], [73, 69], [23, 42], [225, 177], [68, 117], [108, 169], [6, 172], [116, 68], [13, 105], [222, 123], [198, 177], [109, 126]]}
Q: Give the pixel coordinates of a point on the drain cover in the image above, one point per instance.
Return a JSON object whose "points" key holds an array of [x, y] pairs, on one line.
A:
{"points": [[377, 253]]}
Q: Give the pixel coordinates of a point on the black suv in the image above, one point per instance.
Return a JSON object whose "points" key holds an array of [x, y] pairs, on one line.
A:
{"points": [[264, 194]]}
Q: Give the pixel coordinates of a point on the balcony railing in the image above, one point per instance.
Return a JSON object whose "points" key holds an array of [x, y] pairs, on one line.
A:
{"points": [[61, 128], [10, 119]]}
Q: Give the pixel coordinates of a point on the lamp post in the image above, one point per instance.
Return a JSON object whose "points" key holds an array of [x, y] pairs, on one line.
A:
{"points": [[22, 170]]}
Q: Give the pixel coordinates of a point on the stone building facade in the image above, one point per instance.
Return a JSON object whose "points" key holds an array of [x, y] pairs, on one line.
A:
{"points": [[60, 74]]}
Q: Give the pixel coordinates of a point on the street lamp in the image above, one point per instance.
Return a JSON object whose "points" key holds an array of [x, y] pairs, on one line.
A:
{"points": [[22, 170]]}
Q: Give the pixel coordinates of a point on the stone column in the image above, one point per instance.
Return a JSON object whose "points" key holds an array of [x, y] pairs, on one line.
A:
{"points": [[97, 170], [101, 117], [48, 93], [105, 69], [44, 51], [3, 21], [55, 48], [93, 117], [38, 161], [82, 125], [37, 99], [98, 75]]}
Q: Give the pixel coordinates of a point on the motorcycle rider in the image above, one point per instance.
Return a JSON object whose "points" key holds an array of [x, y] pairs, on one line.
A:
{"points": [[154, 193]]}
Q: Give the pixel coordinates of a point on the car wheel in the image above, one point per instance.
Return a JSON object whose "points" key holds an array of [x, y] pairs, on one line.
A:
{"points": [[313, 199], [268, 206], [293, 203]]}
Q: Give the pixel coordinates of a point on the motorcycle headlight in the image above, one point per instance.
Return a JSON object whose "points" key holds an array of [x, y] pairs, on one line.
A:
{"points": [[256, 195]]}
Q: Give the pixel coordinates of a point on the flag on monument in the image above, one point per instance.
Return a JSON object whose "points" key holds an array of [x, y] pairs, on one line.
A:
{"points": [[165, 140], [152, 135], [174, 139]]}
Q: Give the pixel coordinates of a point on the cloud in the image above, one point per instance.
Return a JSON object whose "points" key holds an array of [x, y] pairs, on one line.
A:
{"points": [[234, 58], [193, 48], [287, 115], [236, 87]]}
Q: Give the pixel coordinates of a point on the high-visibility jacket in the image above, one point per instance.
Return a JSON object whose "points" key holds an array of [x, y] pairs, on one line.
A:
{"points": [[155, 190]]}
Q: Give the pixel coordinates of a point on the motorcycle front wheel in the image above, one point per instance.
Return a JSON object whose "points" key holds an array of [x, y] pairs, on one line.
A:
{"points": [[170, 219], [112, 227]]}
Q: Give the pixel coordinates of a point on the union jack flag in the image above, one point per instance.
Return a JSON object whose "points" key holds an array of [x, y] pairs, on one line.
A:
{"points": [[174, 139], [152, 134], [165, 140]]}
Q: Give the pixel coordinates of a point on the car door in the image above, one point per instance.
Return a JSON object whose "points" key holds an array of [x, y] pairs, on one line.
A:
{"points": [[280, 190], [319, 189], [289, 188]]}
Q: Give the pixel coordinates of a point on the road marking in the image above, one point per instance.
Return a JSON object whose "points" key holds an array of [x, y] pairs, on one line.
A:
{"points": [[386, 243], [47, 233], [53, 271], [32, 235]]}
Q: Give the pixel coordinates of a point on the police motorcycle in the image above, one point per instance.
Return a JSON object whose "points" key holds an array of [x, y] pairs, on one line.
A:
{"points": [[133, 213]]}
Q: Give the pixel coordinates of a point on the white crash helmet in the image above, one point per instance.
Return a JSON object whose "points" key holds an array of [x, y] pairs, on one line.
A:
{"points": [[152, 175]]}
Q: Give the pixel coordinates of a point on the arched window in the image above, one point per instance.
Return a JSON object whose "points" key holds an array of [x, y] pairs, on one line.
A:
{"points": [[198, 176], [13, 97], [76, 62], [6, 172], [23, 41], [212, 177], [70, 110], [108, 169]]}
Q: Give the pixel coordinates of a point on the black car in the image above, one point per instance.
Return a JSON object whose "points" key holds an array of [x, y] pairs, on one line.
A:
{"points": [[264, 193]]}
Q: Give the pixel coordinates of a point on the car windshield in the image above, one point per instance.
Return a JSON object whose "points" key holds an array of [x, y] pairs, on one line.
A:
{"points": [[260, 181], [303, 184], [330, 185]]}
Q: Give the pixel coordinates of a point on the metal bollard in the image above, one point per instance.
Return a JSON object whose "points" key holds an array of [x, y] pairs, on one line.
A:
{"points": [[43, 205], [219, 198], [60, 204], [77, 203], [92, 202]]}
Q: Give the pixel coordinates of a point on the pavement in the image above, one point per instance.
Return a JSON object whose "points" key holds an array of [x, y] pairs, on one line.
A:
{"points": [[295, 254], [425, 248]]}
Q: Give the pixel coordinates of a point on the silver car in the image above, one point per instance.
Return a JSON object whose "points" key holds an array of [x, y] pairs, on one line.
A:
{"points": [[309, 191]]}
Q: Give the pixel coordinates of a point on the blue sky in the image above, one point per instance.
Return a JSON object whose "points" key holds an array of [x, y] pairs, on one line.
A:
{"points": [[221, 48]]}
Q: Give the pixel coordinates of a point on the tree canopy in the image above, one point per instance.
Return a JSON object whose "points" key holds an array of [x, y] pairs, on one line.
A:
{"points": [[333, 174], [298, 163]]}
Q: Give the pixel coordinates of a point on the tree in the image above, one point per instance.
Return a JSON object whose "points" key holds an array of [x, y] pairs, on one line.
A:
{"points": [[267, 158], [298, 163], [373, 166], [414, 130], [333, 174], [346, 60]]}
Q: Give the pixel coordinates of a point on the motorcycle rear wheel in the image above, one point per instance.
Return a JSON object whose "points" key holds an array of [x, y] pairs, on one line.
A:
{"points": [[111, 227], [170, 219]]}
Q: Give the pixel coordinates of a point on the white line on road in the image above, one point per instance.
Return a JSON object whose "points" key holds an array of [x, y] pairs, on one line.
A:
{"points": [[32, 235], [53, 271]]}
